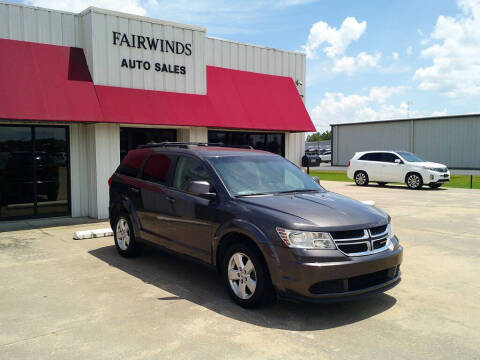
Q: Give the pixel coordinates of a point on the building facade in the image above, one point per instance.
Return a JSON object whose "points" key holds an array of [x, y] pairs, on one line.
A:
{"points": [[78, 91], [450, 140]]}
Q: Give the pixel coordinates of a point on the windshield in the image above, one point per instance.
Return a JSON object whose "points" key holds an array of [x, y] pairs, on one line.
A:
{"points": [[410, 157], [262, 175]]}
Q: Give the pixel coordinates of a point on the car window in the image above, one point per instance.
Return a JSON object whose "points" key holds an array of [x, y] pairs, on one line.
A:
{"points": [[365, 157], [132, 163], [189, 169], [372, 157], [250, 175], [156, 168], [389, 157]]}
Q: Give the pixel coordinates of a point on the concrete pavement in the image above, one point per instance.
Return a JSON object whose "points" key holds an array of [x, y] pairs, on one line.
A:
{"points": [[77, 299]]}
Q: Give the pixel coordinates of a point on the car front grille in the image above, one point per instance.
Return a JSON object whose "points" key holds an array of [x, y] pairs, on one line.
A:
{"points": [[361, 242], [354, 283]]}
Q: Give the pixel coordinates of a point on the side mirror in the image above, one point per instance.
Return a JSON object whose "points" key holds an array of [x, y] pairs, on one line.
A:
{"points": [[316, 179], [201, 188], [398, 161]]}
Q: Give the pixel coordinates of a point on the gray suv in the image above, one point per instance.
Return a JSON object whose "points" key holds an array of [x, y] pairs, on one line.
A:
{"points": [[269, 229]]}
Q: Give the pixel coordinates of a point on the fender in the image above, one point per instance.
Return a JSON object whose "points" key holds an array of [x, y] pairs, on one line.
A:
{"points": [[261, 239], [128, 206]]}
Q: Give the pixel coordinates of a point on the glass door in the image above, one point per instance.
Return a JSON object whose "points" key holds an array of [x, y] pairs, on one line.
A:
{"points": [[51, 165], [17, 178], [34, 170]]}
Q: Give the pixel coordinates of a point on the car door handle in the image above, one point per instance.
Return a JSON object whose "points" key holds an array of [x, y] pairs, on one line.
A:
{"points": [[170, 199], [135, 190]]}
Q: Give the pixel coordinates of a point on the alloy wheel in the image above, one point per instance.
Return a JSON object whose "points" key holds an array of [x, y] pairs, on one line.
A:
{"points": [[242, 276], [123, 234], [413, 181], [360, 178]]}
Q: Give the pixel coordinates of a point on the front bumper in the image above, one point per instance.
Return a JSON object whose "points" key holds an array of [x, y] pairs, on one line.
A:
{"points": [[334, 276], [434, 177]]}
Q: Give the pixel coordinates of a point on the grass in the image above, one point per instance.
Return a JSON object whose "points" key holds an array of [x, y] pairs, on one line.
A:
{"points": [[456, 181]]}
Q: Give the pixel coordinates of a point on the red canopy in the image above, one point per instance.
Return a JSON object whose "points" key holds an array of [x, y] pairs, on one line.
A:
{"points": [[48, 82], [45, 82]]}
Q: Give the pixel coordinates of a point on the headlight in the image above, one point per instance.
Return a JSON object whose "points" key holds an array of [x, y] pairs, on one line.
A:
{"points": [[392, 241], [430, 168], [306, 239]]}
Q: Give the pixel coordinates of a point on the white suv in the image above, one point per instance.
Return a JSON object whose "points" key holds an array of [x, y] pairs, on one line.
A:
{"points": [[396, 166]]}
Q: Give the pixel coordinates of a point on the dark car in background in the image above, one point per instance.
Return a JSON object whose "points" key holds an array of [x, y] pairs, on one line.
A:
{"points": [[267, 227]]}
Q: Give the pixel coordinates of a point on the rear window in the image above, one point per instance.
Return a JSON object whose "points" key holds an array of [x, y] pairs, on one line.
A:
{"points": [[156, 169], [132, 163]]}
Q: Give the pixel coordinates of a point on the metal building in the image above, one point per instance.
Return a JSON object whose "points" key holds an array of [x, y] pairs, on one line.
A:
{"points": [[450, 140]]}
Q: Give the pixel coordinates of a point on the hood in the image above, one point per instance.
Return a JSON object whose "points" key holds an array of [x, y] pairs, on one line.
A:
{"points": [[428, 164], [325, 210]]}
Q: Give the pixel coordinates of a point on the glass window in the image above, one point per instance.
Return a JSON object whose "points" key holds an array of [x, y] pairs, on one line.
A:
{"points": [[131, 138], [237, 138], [156, 168], [389, 157], [257, 141], [189, 169], [254, 175], [275, 144], [410, 157], [272, 142], [34, 171]]}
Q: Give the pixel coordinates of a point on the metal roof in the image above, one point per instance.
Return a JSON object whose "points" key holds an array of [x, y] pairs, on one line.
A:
{"points": [[408, 119]]}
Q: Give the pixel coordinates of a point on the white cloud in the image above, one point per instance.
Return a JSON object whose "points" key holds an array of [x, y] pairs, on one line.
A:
{"points": [[409, 51], [220, 17], [440, 113], [127, 6], [395, 55], [455, 54], [362, 61], [337, 39], [341, 108]]}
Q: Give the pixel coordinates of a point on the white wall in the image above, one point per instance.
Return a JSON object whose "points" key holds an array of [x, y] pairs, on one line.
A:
{"points": [[94, 156], [78, 170], [28, 23]]}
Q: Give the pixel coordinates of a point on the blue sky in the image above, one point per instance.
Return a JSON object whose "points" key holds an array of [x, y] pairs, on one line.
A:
{"points": [[367, 60]]}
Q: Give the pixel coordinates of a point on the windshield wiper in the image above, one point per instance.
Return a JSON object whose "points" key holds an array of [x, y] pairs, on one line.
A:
{"points": [[255, 194], [296, 191]]}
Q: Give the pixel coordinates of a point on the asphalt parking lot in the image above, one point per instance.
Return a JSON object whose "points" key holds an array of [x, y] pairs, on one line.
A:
{"points": [[77, 299]]}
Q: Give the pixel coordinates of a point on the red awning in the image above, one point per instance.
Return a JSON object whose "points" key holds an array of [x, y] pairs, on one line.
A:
{"points": [[48, 82], [235, 100], [45, 82]]}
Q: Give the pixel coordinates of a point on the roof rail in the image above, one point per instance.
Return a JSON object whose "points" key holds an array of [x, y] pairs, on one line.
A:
{"points": [[187, 145]]}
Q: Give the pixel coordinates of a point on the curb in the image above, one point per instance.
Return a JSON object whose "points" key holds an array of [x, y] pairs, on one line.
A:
{"points": [[89, 234]]}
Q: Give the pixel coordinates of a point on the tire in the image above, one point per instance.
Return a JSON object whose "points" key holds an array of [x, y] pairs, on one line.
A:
{"points": [[125, 240], [251, 286], [381, 183], [361, 178], [434, 186], [414, 181]]}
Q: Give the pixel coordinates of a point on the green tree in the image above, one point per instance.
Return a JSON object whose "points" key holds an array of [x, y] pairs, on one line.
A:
{"points": [[326, 135]]}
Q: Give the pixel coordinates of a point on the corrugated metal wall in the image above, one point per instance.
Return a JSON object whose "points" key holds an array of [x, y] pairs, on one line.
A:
{"points": [[238, 56], [453, 141], [19, 22]]}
